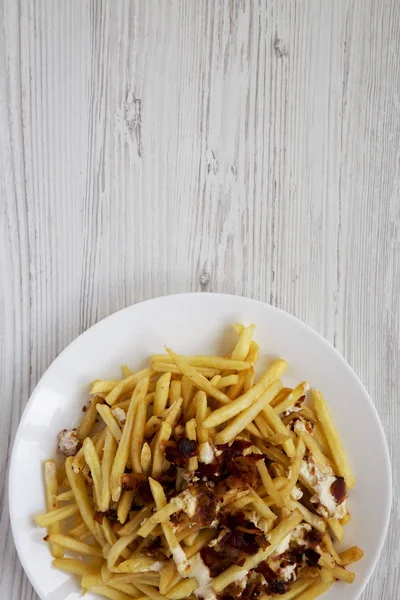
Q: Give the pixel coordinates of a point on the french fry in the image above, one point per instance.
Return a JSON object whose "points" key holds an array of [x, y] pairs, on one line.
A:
{"points": [[213, 362], [206, 372], [174, 412], [201, 411], [103, 387], [124, 505], [336, 529], [104, 590], [57, 515], [152, 426], [242, 347], [89, 419], [51, 487], [64, 496], [183, 589], [249, 379], [192, 435], [73, 545], [110, 448], [253, 354], [132, 526], [335, 445], [276, 424], [343, 574], [295, 469], [187, 393], [291, 399], [72, 565], [198, 380], [269, 484], [176, 550], [85, 506], [317, 589], [175, 390], [162, 391], [146, 459], [122, 453], [313, 447], [236, 389], [244, 418], [281, 396], [226, 381], [163, 434], [93, 462], [224, 413], [110, 421], [127, 385], [138, 435], [309, 517], [350, 556], [80, 531]]}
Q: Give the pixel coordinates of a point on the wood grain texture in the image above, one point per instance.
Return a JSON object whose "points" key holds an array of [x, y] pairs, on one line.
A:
{"points": [[152, 147]]}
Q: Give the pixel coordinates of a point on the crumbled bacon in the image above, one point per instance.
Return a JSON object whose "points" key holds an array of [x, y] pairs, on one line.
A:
{"points": [[215, 561], [313, 538], [154, 550], [312, 557], [110, 514], [273, 584], [338, 490], [179, 453], [244, 468], [206, 509], [129, 481], [245, 542]]}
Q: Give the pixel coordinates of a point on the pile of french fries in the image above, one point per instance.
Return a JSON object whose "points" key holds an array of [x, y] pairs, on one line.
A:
{"points": [[213, 400]]}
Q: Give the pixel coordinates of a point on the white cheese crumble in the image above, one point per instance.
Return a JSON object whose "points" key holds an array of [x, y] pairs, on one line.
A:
{"points": [[296, 536], [320, 479], [206, 453], [201, 573], [188, 503], [288, 573], [258, 521], [68, 442], [296, 493], [180, 559]]}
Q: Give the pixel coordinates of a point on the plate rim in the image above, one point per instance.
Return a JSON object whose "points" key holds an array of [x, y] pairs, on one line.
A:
{"points": [[387, 465]]}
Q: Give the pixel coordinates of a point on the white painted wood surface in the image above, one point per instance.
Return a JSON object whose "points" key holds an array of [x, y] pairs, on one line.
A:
{"points": [[149, 147]]}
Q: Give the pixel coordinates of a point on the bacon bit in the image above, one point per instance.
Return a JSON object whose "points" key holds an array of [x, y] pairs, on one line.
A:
{"points": [[206, 510], [110, 514], [215, 561], [128, 481], [338, 490], [46, 537], [313, 538], [84, 408], [245, 542], [311, 557], [235, 449], [273, 584], [154, 550], [244, 468], [179, 453]]}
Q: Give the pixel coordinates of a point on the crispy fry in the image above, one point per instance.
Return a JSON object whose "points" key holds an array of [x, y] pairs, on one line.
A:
{"points": [[350, 556], [198, 380], [69, 543], [213, 362], [51, 487], [122, 454], [89, 419], [335, 445], [242, 347], [72, 565], [158, 453], [106, 414]]}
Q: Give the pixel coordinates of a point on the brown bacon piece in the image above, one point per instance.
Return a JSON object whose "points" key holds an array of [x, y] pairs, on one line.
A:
{"points": [[244, 468], [245, 542], [338, 490], [313, 538], [183, 450]]}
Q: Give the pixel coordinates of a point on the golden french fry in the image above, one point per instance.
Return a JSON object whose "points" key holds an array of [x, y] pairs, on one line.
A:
{"points": [[351, 555], [162, 391], [89, 419], [65, 497], [174, 412], [93, 462], [106, 414], [110, 448], [122, 453], [336, 529], [57, 515], [343, 574], [332, 436], [163, 434], [152, 426], [317, 589], [51, 487], [103, 387], [242, 347], [224, 413], [172, 368], [201, 411], [269, 484], [128, 385], [71, 544], [309, 517], [213, 362], [192, 435], [294, 469], [276, 424], [253, 354], [183, 589], [198, 380], [72, 565], [138, 435], [175, 391], [292, 397], [146, 459], [124, 505], [248, 380], [244, 418]]}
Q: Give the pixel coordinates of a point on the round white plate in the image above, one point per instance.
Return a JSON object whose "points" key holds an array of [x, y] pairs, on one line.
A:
{"points": [[195, 323]]}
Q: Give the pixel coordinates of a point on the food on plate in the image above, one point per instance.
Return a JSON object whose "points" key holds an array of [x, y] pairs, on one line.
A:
{"points": [[193, 478]]}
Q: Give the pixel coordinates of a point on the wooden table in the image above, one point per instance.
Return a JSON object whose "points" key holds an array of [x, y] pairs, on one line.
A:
{"points": [[152, 147]]}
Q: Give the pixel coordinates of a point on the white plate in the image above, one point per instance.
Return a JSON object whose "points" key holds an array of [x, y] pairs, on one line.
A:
{"points": [[195, 323]]}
